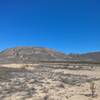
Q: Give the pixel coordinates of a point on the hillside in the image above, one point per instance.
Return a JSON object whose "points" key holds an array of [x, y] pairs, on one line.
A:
{"points": [[91, 56], [35, 54], [30, 54]]}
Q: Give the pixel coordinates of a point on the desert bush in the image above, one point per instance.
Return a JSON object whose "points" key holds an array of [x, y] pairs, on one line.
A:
{"points": [[92, 88]]}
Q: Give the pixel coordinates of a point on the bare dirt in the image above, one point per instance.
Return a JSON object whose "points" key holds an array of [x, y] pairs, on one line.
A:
{"points": [[48, 82]]}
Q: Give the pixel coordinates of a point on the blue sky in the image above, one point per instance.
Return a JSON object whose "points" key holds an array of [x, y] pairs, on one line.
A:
{"points": [[70, 26]]}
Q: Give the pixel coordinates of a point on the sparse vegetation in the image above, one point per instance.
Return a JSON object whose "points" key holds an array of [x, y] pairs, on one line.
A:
{"points": [[92, 88], [27, 83]]}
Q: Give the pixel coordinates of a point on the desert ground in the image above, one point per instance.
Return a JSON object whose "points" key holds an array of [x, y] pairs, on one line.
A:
{"points": [[43, 81]]}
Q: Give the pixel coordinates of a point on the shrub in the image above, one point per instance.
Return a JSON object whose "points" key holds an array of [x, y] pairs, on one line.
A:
{"points": [[92, 88]]}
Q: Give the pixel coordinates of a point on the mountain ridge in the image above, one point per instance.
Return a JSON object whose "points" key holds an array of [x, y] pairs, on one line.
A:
{"points": [[31, 54]]}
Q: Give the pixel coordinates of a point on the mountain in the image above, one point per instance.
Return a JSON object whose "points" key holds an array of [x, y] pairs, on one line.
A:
{"points": [[35, 54], [30, 54], [95, 56], [91, 56]]}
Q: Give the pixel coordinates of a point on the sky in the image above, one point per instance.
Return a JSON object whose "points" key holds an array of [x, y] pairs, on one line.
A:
{"points": [[69, 26]]}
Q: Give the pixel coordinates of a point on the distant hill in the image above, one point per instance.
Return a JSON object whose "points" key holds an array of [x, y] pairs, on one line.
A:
{"points": [[92, 56], [30, 54], [95, 56], [35, 54]]}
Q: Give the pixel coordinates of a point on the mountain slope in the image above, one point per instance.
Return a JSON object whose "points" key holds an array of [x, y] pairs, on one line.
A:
{"points": [[95, 56], [30, 54], [35, 54], [92, 56]]}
